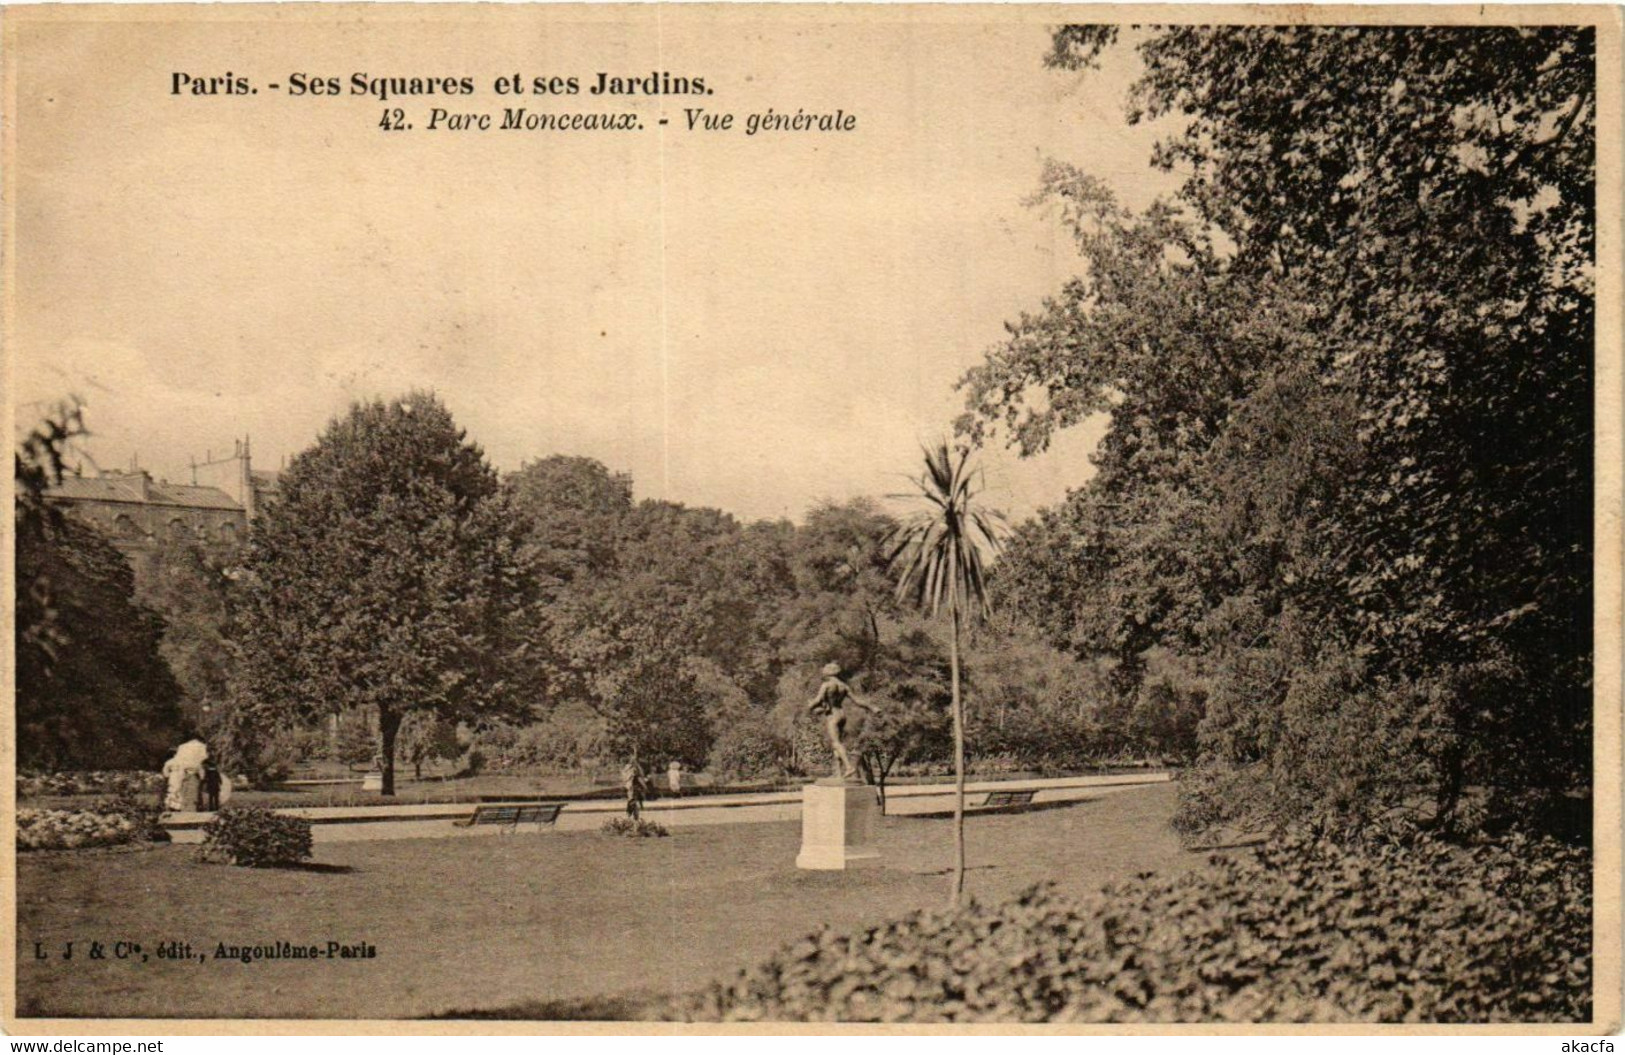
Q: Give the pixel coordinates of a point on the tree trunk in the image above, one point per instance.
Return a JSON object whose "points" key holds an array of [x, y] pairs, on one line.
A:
{"points": [[959, 757], [389, 723], [877, 777]]}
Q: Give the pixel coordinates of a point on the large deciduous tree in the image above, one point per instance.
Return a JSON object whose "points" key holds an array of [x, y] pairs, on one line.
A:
{"points": [[1348, 380], [93, 692], [385, 576]]}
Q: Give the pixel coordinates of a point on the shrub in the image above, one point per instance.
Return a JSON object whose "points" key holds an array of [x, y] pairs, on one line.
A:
{"points": [[634, 829], [282, 752], [1425, 932], [74, 829], [256, 837], [356, 742], [472, 762], [564, 740], [749, 750]]}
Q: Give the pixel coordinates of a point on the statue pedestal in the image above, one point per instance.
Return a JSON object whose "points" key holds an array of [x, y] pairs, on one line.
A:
{"points": [[373, 781], [838, 822]]}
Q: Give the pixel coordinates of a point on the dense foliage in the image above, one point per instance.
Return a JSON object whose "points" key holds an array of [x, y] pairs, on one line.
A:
{"points": [[583, 625], [908, 685], [1416, 931], [1347, 379], [255, 837], [683, 634], [93, 691], [192, 588]]}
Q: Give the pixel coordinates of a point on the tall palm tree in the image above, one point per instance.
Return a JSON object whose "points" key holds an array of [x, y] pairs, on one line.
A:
{"points": [[940, 556]]}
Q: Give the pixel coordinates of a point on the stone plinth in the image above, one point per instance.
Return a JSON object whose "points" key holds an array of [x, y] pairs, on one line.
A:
{"points": [[372, 781], [838, 822]]}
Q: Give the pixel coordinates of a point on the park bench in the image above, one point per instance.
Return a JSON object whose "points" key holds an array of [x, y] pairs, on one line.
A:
{"points": [[1010, 798], [511, 817]]}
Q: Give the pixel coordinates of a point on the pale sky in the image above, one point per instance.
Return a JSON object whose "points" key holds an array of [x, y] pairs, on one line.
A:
{"points": [[749, 323]]}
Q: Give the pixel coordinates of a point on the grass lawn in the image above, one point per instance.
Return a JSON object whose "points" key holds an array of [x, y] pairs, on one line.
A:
{"points": [[484, 924]]}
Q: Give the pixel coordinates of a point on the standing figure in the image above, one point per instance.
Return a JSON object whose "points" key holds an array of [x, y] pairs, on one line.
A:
{"points": [[833, 697], [674, 778], [184, 776], [211, 785], [632, 776]]}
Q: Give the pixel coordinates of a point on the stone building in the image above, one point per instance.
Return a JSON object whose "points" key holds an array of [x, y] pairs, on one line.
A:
{"points": [[142, 516], [236, 476]]}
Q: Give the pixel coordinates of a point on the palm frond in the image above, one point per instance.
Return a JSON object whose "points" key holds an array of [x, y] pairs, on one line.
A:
{"points": [[940, 554]]}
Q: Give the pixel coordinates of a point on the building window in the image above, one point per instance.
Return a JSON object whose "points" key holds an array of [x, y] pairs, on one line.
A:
{"points": [[124, 527], [177, 529]]}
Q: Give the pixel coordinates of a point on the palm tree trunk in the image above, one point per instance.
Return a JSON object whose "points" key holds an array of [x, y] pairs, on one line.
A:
{"points": [[958, 893]]}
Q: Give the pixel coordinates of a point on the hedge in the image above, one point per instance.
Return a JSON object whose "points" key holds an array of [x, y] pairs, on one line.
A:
{"points": [[1417, 932]]}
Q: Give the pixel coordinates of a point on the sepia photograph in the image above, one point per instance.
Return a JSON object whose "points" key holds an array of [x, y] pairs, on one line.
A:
{"points": [[770, 517]]}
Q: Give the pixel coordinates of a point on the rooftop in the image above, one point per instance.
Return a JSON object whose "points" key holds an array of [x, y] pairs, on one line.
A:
{"points": [[140, 488]]}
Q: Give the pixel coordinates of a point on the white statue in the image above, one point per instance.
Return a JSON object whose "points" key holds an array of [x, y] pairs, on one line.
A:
{"points": [[185, 775]]}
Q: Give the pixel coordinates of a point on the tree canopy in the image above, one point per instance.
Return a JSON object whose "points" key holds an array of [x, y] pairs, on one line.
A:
{"points": [[385, 576]]}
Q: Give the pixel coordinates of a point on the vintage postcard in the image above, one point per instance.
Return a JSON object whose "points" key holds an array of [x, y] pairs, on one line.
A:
{"points": [[745, 517]]}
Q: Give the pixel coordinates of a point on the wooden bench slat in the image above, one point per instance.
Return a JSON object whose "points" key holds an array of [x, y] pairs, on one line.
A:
{"points": [[513, 816], [1010, 798]]}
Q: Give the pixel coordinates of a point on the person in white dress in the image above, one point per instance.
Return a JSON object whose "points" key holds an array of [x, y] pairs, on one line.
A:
{"points": [[184, 772]]}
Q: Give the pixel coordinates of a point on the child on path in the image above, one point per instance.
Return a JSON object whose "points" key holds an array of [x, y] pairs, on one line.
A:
{"points": [[632, 776]]}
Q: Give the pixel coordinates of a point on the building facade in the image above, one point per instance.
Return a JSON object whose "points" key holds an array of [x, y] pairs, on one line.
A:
{"points": [[142, 516]]}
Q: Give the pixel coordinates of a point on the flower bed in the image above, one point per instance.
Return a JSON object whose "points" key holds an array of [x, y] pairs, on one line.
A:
{"points": [[75, 829], [90, 782], [634, 829]]}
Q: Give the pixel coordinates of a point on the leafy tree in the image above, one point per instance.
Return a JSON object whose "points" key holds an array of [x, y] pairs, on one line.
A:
{"points": [[39, 463], [425, 737], [93, 691], [939, 555], [842, 599], [1038, 706], [1447, 207], [908, 685], [573, 509], [688, 597], [385, 576], [658, 711], [192, 589]]}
